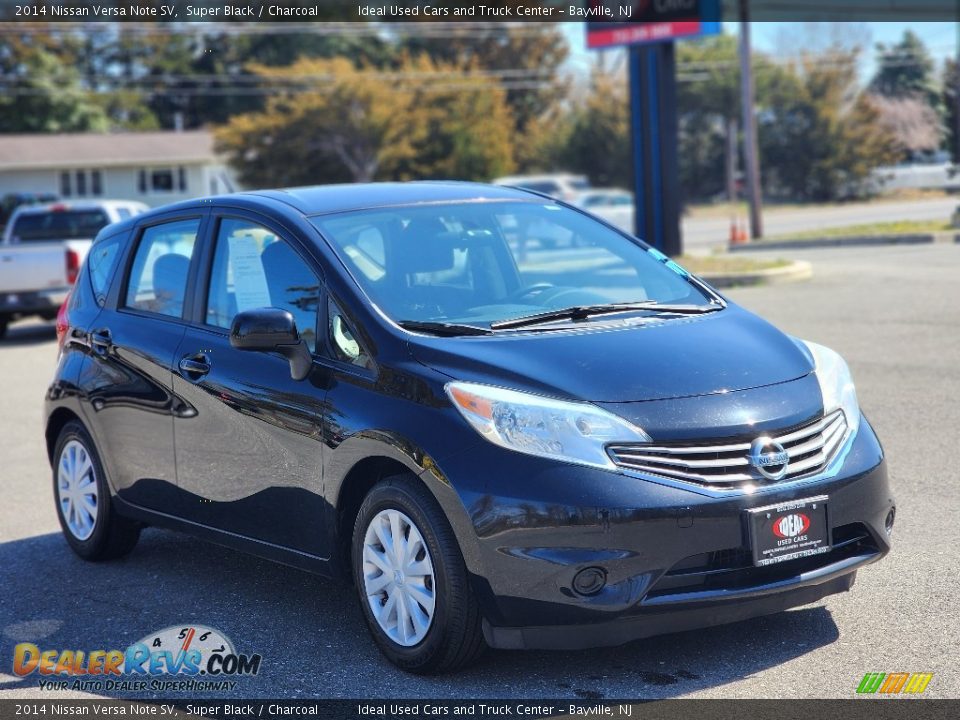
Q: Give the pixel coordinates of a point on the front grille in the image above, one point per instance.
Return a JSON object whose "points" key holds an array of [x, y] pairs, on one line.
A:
{"points": [[727, 466]]}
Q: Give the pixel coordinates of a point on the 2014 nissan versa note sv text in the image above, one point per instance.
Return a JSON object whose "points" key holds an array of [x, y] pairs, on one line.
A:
{"points": [[498, 442]]}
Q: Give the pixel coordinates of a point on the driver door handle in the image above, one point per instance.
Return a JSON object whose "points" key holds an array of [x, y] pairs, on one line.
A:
{"points": [[195, 366]]}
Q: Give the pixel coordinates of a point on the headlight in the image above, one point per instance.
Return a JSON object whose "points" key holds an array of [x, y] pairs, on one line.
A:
{"points": [[570, 431], [836, 384]]}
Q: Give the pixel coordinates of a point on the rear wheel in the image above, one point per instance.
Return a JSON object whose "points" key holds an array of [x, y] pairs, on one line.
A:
{"points": [[412, 581], [89, 523], [4, 324]]}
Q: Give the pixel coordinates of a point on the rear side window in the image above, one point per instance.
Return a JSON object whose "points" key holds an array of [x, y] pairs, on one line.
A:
{"points": [[101, 262], [59, 225], [158, 277]]}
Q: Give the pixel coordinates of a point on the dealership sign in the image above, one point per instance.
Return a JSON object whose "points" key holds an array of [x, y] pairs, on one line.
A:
{"points": [[637, 22]]}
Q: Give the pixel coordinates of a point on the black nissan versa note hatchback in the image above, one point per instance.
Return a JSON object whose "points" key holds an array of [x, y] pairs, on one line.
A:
{"points": [[500, 443]]}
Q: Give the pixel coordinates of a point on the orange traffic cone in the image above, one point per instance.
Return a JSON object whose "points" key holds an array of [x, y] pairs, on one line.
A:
{"points": [[734, 232], [742, 236]]}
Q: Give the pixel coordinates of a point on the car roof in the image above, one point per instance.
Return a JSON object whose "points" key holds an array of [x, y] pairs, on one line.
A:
{"points": [[323, 199]]}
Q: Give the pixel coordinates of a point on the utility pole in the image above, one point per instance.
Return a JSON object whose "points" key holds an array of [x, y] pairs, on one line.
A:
{"points": [[751, 154], [956, 97]]}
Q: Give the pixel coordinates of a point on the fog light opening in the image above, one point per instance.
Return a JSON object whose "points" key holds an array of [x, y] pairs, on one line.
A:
{"points": [[589, 581], [888, 523]]}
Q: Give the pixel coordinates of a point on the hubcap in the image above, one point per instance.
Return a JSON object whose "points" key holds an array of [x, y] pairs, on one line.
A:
{"points": [[398, 577], [77, 490]]}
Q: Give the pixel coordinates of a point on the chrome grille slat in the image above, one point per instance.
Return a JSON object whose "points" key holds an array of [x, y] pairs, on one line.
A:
{"points": [[807, 447], [692, 464], [695, 477], [807, 431], [804, 465], [693, 449], [726, 466]]}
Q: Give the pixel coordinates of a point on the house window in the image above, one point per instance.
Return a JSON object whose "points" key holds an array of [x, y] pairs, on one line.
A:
{"points": [[96, 182], [161, 180], [65, 188], [81, 183]]}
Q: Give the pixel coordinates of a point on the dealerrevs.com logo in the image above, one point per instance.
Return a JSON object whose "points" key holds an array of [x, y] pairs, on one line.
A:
{"points": [[204, 657]]}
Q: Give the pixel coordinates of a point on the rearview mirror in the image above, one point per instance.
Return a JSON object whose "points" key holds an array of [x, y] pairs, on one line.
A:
{"points": [[272, 330]]}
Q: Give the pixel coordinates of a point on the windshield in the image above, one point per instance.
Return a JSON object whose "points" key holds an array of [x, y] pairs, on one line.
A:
{"points": [[482, 262], [59, 225]]}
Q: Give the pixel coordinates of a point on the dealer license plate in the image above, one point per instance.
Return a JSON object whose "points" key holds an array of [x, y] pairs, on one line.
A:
{"points": [[789, 530]]}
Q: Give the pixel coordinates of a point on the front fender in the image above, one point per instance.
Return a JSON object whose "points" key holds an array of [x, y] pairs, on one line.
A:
{"points": [[372, 446]]}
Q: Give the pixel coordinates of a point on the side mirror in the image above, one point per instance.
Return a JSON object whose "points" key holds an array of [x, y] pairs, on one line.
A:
{"points": [[272, 330]]}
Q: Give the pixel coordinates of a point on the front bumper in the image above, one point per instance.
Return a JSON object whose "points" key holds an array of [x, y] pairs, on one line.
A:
{"points": [[673, 559]]}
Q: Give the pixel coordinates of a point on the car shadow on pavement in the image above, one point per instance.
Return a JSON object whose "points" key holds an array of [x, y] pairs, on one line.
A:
{"points": [[29, 334], [311, 636]]}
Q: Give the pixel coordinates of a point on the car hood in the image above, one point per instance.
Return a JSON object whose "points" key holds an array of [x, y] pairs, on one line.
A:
{"points": [[626, 360]]}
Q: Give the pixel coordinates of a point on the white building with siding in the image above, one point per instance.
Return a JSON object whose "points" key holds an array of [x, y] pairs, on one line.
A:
{"points": [[153, 167]]}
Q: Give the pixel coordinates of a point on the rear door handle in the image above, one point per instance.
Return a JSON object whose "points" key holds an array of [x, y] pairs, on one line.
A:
{"points": [[101, 339], [195, 366]]}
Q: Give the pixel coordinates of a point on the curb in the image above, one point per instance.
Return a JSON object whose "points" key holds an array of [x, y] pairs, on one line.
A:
{"points": [[854, 241], [794, 272]]}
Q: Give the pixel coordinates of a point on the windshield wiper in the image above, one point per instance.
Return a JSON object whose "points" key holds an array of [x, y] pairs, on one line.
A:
{"points": [[442, 328], [582, 312]]}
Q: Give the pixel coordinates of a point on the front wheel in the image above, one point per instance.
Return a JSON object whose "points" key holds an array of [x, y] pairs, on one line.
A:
{"points": [[412, 581], [89, 523]]}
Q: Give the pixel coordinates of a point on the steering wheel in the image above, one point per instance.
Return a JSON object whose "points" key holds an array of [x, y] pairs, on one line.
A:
{"points": [[527, 290]]}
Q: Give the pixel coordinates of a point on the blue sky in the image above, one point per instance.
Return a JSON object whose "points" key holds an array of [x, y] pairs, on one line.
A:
{"points": [[940, 38]]}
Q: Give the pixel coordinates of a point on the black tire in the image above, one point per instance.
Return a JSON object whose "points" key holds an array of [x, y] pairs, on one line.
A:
{"points": [[455, 636], [4, 324], [113, 536]]}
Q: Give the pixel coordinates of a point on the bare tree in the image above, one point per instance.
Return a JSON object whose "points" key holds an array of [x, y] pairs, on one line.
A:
{"points": [[915, 125]]}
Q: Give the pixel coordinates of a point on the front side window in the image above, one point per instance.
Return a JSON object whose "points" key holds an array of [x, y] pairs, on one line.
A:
{"points": [[253, 268], [482, 262], [158, 277]]}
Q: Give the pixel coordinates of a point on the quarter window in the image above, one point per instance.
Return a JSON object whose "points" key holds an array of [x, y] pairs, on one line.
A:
{"points": [[158, 278], [101, 261], [253, 268], [345, 346]]}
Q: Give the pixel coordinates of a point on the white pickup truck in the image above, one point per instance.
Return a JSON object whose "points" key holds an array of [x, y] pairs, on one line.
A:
{"points": [[42, 249]]}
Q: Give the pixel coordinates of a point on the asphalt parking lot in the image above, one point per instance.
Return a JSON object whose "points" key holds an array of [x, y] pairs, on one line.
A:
{"points": [[893, 312]]}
